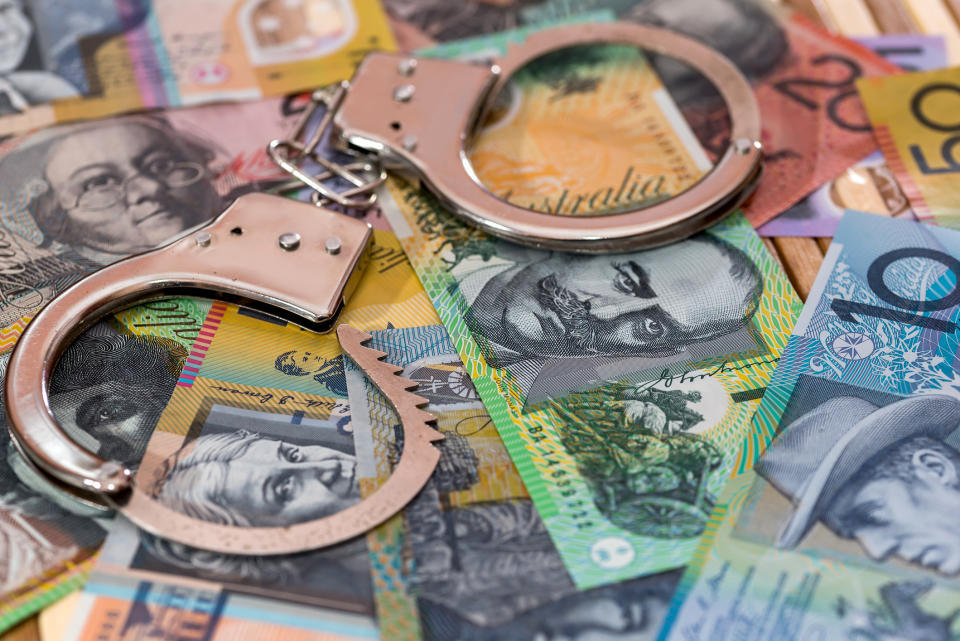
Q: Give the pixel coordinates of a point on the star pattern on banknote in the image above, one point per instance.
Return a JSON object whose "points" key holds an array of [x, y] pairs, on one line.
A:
{"points": [[853, 346]]}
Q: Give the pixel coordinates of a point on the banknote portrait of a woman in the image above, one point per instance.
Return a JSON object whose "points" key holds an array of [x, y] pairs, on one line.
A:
{"points": [[885, 476], [113, 188]]}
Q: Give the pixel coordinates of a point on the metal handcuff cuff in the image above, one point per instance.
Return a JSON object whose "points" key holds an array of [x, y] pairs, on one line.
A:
{"points": [[302, 262]]}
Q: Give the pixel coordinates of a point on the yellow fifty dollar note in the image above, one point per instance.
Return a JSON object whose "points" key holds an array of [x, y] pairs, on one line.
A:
{"points": [[587, 130], [916, 123]]}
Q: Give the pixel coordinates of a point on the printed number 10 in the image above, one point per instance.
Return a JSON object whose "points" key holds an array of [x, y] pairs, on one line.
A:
{"points": [[907, 310]]}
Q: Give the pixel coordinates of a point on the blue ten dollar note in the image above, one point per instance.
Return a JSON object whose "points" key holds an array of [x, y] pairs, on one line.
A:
{"points": [[849, 525]]}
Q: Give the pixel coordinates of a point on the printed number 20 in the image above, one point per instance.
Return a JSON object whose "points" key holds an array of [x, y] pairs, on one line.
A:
{"points": [[844, 87], [907, 310]]}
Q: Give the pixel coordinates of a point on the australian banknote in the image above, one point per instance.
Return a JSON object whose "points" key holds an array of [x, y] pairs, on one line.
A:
{"points": [[870, 184], [846, 528], [89, 59], [253, 384], [115, 381], [262, 406], [909, 51], [914, 122], [76, 197], [107, 391], [674, 346], [814, 125], [580, 132], [56, 227], [481, 562]]}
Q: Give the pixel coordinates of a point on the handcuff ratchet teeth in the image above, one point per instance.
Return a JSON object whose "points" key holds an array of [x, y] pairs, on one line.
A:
{"points": [[236, 257], [399, 112]]}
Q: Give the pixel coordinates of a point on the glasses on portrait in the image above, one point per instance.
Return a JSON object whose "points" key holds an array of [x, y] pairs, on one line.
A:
{"points": [[107, 189]]}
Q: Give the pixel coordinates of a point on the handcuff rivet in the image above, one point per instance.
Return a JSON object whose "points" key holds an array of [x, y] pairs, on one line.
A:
{"points": [[290, 240], [202, 238], [111, 468], [333, 245], [410, 143], [743, 146], [111, 471], [407, 67], [403, 93]]}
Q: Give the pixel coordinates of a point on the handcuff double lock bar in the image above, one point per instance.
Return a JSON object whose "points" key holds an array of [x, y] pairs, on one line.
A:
{"points": [[398, 112]]}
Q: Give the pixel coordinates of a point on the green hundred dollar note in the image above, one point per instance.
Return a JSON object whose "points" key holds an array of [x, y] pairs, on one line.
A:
{"points": [[483, 565], [849, 525], [675, 345]]}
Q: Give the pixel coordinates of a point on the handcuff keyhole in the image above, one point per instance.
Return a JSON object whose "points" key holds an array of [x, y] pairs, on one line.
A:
{"points": [[395, 125], [237, 231]]}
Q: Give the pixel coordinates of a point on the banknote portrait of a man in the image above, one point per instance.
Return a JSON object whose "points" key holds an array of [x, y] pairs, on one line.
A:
{"points": [[559, 321], [109, 390], [112, 188], [274, 474], [629, 611], [884, 476]]}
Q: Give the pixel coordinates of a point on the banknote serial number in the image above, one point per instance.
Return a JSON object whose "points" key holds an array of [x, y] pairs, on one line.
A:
{"points": [[905, 310], [576, 508]]}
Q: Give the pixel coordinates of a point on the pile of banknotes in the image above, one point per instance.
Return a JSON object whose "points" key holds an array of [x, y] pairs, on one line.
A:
{"points": [[667, 444]]}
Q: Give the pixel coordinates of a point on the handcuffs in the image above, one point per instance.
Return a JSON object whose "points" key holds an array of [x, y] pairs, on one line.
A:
{"points": [[301, 262]]}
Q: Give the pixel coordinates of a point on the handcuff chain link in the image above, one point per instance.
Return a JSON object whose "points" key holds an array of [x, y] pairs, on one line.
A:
{"points": [[290, 154]]}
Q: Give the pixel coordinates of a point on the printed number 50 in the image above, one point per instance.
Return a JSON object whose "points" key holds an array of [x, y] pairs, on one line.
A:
{"points": [[947, 147]]}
